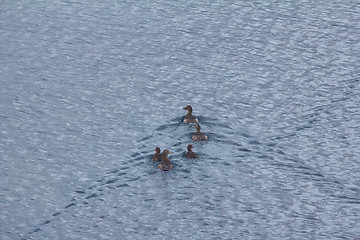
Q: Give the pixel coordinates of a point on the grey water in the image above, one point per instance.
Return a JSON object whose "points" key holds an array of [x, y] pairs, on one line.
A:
{"points": [[88, 89]]}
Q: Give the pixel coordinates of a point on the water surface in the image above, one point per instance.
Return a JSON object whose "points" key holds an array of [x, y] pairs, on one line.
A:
{"points": [[88, 90]]}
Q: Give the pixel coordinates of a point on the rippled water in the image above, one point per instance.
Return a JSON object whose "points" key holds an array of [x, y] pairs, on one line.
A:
{"points": [[88, 90]]}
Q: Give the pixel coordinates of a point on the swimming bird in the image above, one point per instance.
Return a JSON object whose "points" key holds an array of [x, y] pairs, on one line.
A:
{"points": [[190, 153], [198, 136], [165, 163], [189, 118], [157, 156]]}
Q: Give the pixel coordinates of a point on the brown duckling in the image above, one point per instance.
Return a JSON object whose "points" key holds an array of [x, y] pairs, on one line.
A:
{"points": [[165, 163], [157, 155], [199, 136], [189, 118], [190, 153]]}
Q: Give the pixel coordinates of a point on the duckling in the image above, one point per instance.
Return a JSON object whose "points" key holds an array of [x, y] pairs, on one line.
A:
{"points": [[165, 163], [199, 136], [190, 153], [157, 156], [189, 118]]}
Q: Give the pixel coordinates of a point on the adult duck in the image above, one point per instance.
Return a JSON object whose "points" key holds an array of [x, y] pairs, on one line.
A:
{"points": [[157, 155], [190, 153], [165, 163], [199, 136], [189, 118]]}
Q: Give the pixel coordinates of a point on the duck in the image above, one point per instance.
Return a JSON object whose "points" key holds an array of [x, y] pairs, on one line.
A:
{"points": [[165, 163], [189, 118], [199, 136], [157, 156], [190, 153]]}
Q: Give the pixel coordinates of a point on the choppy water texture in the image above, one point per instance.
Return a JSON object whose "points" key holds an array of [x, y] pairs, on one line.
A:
{"points": [[90, 88]]}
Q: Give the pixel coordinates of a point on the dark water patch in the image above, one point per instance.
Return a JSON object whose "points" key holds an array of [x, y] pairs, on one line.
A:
{"points": [[166, 126], [221, 125], [186, 136], [46, 222], [135, 154], [244, 149], [272, 144], [226, 163], [264, 156], [348, 200], [355, 202], [282, 165], [309, 173], [112, 181], [80, 191], [133, 179], [93, 195], [298, 170], [3, 116], [183, 198], [355, 189], [112, 171], [177, 120], [124, 167], [296, 167], [177, 144], [239, 156], [304, 127], [245, 135], [92, 187], [152, 170], [138, 163], [56, 214], [145, 138], [36, 230], [205, 119], [138, 159], [101, 180], [303, 167], [254, 142], [279, 151], [144, 146], [70, 205], [214, 125], [123, 185], [144, 152], [181, 169], [149, 199], [178, 155], [212, 160], [47, 133], [223, 140]]}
